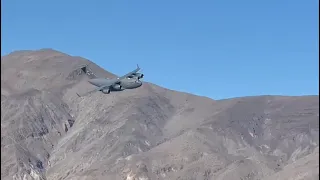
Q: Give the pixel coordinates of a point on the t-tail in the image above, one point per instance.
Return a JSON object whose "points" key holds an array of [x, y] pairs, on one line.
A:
{"points": [[88, 71]]}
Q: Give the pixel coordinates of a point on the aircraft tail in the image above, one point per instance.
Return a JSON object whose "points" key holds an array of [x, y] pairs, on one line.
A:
{"points": [[88, 71]]}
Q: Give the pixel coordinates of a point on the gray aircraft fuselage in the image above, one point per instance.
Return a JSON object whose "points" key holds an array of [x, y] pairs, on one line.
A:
{"points": [[128, 83]]}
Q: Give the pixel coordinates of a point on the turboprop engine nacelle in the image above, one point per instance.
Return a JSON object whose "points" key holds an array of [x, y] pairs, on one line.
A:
{"points": [[106, 91], [117, 87], [139, 75]]}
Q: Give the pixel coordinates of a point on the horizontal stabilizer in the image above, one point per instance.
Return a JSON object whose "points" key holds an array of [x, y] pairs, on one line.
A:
{"points": [[87, 71]]}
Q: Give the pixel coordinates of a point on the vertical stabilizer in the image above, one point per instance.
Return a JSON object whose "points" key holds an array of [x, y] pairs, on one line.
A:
{"points": [[88, 72]]}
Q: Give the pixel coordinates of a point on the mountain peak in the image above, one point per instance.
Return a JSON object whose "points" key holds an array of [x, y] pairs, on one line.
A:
{"points": [[42, 69]]}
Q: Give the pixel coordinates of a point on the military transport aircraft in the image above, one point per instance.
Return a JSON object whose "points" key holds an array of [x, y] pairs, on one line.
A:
{"points": [[129, 81]]}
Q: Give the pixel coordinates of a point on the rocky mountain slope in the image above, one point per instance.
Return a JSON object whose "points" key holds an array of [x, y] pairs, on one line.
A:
{"points": [[48, 132]]}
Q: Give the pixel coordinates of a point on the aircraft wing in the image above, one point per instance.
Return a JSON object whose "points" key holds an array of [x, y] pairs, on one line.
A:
{"points": [[130, 73], [95, 90]]}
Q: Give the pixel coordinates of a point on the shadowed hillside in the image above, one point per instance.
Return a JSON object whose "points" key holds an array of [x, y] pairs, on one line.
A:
{"points": [[48, 132]]}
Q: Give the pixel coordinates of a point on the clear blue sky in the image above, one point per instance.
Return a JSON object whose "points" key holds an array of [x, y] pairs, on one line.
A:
{"points": [[214, 48]]}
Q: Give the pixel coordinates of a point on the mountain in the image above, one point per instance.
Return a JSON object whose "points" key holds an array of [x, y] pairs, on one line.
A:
{"points": [[48, 132]]}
